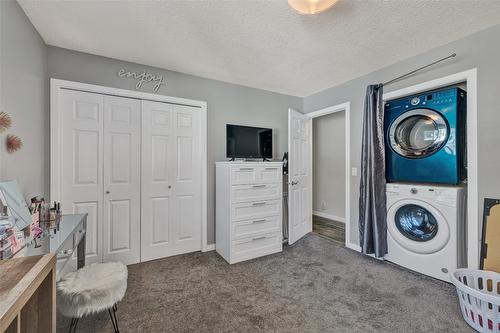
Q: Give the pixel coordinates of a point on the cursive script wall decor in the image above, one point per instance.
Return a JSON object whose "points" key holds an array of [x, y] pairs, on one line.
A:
{"points": [[143, 77]]}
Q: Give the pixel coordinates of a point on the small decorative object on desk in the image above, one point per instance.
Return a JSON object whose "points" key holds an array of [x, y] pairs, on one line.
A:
{"points": [[50, 215]]}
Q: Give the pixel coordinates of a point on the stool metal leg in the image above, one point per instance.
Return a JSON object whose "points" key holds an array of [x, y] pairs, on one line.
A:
{"points": [[72, 326], [114, 321]]}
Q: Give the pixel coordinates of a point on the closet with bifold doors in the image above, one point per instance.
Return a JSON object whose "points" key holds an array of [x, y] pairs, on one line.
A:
{"points": [[135, 166]]}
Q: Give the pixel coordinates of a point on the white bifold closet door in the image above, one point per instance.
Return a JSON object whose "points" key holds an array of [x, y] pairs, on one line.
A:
{"points": [[101, 171], [122, 180], [171, 180]]}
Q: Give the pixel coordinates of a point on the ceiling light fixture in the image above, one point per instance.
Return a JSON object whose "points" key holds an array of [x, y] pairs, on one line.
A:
{"points": [[310, 7]]}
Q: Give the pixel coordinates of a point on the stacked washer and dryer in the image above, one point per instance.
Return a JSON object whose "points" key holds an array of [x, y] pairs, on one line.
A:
{"points": [[426, 172]]}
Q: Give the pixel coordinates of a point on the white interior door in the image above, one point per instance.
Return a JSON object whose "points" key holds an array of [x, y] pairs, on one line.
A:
{"points": [[299, 176], [122, 180], [171, 180], [81, 163]]}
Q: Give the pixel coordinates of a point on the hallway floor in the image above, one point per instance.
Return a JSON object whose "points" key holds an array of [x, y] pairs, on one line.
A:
{"points": [[331, 229]]}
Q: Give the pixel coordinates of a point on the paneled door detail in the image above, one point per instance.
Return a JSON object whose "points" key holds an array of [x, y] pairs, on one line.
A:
{"points": [[122, 179], [81, 164], [299, 177], [171, 180]]}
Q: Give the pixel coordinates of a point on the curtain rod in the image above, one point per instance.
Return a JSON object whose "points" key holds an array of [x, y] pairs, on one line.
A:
{"points": [[418, 69]]}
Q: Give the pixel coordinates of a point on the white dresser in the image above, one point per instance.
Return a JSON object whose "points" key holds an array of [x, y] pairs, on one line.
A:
{"points": [[248, 209]]}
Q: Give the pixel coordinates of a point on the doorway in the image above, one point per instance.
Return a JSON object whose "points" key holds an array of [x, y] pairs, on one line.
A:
{"points": [[328, 190], [330, 181]]}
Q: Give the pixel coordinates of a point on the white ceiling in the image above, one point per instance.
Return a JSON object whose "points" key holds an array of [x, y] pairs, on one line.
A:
{"points": [[262, 44]]}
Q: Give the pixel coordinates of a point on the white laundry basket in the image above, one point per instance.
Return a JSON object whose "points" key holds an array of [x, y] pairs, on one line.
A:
{"points": [[479, 295]]}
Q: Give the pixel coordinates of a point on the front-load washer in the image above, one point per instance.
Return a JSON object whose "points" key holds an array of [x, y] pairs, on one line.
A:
{"points": [[425, 137], [426, 229]]}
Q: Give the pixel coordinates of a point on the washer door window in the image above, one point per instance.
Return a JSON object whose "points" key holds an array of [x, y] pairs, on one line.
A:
{"points": [[417, 226], [418, 133], [416, 223]]}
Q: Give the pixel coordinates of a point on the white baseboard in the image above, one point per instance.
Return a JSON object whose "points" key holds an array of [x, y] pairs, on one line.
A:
{"points": [[329, 216], [209, 247], [353, 246]]}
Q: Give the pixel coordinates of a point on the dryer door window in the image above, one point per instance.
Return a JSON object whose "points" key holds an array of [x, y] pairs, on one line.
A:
{"points": [[418, 133], [416, 223]]}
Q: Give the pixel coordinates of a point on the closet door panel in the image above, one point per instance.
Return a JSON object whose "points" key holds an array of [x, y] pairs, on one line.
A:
{"points": [[171, 175], [122, 179], [81, 163], [160, 154], [160, 207], [120, 225], [187, 185], [156, 191]]}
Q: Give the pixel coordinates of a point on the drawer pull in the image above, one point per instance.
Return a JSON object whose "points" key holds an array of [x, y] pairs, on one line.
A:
{"points": [[258, 204], [258, 186], [271, 168], [259, 238], [259, 221], [246, 169]]}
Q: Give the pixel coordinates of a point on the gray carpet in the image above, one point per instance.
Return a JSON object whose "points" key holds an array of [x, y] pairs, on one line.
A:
{"points": [[315, 285]]}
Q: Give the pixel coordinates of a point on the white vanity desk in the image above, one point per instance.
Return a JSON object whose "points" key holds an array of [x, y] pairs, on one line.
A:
{"points": [[63, 240]]}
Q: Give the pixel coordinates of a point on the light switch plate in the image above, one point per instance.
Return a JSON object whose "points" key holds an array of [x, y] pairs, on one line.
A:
{"points": [[354, 172]]}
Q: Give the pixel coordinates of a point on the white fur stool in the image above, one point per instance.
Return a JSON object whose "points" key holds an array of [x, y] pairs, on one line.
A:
{"points": [[92, 289]]}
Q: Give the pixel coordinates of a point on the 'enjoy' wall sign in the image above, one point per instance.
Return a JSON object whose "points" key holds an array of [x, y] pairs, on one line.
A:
{"points": [[143, 77]]}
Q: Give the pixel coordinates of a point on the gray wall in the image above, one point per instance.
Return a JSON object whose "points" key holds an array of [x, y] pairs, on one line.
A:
{"points": [[24, 95], [227, 103], [329, 164], [480, 50]]}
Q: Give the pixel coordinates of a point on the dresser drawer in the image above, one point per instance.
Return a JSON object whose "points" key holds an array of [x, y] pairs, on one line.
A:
{"points": [[256, 174], [255, 226], [255, 192], [256, 246], [270, 174], [244, 174], [255, 209]]}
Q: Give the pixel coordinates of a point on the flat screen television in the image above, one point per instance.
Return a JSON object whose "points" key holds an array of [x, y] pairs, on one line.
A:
{"points": [[249, 142]]}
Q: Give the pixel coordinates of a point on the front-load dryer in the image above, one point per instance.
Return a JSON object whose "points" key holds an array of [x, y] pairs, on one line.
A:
{"points": [[426, 229], [425, 137]]}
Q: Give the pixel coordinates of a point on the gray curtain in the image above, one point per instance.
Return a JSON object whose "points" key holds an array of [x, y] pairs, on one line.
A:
{"points": [[372, 200]]}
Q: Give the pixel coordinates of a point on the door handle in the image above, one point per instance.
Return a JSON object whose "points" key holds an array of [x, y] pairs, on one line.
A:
{"points": [[294, 182], [169, 186], [108, 192]]}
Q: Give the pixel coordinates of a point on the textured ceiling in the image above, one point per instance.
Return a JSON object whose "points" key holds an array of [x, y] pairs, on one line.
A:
{"points": [[262, 44]]}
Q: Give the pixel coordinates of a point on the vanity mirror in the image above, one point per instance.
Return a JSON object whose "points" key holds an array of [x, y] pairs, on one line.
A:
{"points": [[17, 209]]}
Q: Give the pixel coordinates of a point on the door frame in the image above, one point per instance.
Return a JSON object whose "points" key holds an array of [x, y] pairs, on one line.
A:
{"points": [[56, 86], [346, 107], [473, 212]]}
